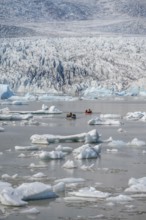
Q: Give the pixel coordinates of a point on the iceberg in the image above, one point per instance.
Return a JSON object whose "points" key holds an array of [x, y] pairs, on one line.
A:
{"points": [[5, 92], [27, 191], [87, 152], [89, 137]]}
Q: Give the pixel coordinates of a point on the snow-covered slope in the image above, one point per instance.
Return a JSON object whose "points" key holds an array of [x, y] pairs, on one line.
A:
{"points": [[39, 17], [72, 64]]}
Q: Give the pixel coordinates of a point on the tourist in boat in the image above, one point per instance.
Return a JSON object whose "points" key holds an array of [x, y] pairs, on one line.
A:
{"points": [[88, 111], [71, 116]]}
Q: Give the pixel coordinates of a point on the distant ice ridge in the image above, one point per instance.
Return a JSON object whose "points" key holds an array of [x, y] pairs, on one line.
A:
{"points": [[89, 67]]}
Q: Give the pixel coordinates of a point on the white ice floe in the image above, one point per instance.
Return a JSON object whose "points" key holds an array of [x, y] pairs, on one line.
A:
{"points": [[4, 110], [136, 142], [87, 168], [52, 110], [90, 192], [54, 155], [116, 143], [6, 176], [70, 180], [110, 116], [79, 199], [32, 165], [15, 117], [137, 185], [120, 199], [26, 148], [64, 148], [100, 121], [112, 150], [30, 211], [39, 175], [89, 137], [87, 151], [134, 115], [69, 164]]}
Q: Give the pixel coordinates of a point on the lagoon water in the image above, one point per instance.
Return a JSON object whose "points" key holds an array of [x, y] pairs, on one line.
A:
{"points": [[111, 171]]}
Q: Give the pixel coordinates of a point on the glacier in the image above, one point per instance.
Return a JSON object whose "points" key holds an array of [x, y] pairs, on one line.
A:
{"points": [[88, 67]]}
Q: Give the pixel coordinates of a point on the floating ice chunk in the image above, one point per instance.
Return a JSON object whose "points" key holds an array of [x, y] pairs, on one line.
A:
{"points": [[59, 187], [120, 199], [15, 117], [90, 192], [39, 175], [136, 142], [32, 165], [117, 143], [138, 188], [99, 121], [44, 107], [22, 155], [64, 148], [4, 185], [110, 116], [137, 185], [6, 176], [17, 102], [87, 151], [69, 164], [4, 110], [70, 180], [26, 148], [30, 211], [9, 198], [133, 181], [79, 199], [34, 191], [112, 150], [90, 137], [54, 110], [96, 217], [55, 155], [134, 115], [87, 168], [121, 130], [5, 91]]}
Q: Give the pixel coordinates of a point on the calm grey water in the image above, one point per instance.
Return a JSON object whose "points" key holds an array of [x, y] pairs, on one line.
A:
{"points": [[126, 163]]}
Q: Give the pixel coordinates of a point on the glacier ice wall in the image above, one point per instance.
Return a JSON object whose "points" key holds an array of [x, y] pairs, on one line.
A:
{"points": [[71, 65]]}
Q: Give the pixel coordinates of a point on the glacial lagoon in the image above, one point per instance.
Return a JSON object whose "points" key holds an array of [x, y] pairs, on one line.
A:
{"points": [[107, 190]]}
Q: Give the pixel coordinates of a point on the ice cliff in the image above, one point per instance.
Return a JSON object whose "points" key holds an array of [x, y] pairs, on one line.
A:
{"points": [[71, 65]]}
